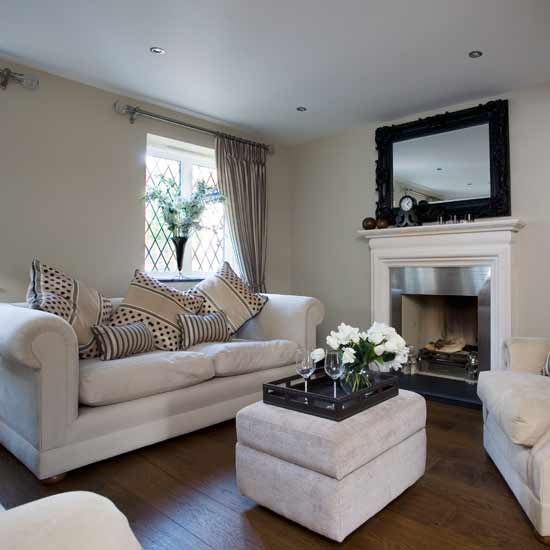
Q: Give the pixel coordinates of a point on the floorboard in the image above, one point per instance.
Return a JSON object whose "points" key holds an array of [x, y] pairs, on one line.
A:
{"points": [[181, 495]]}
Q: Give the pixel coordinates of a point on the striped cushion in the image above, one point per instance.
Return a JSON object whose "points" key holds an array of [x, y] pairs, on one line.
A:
{"points": [[157, 305], [122, 341], [56, 292], [225, 291], [546, 367], [196, 329]]}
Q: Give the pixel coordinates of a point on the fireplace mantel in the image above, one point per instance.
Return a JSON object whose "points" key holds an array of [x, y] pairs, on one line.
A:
{"points": [[488, 242], [481, 226]]}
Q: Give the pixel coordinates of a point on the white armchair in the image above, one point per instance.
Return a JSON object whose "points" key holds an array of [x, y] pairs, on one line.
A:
{"points": [[516, 428], [64, 522]]}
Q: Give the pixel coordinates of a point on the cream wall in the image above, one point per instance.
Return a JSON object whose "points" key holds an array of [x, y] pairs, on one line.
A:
{"points": [[71, 182], [334, 189]]}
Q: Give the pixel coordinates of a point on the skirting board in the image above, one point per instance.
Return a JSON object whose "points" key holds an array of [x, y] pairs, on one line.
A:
{"points": [[63, 459]]}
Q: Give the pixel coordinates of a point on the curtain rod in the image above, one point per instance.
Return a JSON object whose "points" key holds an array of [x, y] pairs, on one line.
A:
{"points": [[134, 112]]}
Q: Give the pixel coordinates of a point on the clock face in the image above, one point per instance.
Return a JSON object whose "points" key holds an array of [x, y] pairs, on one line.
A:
{"points": [[406, 203]]}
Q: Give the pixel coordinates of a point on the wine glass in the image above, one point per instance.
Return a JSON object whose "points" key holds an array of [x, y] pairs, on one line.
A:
{"points": [[305, 366], [334, 367]]}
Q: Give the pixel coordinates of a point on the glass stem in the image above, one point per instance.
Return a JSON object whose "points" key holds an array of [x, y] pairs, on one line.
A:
{"points": [[334, 382], [305, 380]]}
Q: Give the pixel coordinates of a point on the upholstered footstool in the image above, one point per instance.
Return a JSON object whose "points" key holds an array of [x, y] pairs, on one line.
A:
{"points": [[330, 476]]}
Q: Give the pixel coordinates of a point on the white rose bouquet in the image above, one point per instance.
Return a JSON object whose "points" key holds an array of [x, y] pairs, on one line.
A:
{"points": [[380, 345]]}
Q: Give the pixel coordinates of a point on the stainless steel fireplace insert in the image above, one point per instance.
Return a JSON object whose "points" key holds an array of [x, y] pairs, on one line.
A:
{"points": [[445, 313]]}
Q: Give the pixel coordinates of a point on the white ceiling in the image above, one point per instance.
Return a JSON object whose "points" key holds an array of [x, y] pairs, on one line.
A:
{"points": [[250, 63], [449, 166]]}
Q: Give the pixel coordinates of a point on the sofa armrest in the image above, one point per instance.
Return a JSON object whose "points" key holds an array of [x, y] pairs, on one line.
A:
{"points": [[526, 354], [38, 379], [286, 317], [20, 327]]}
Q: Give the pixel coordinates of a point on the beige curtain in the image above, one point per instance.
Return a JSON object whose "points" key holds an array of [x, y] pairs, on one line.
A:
{"points": [[242, 179]]}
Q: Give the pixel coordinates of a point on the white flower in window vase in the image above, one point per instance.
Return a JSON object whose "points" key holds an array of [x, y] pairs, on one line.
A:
{"points": [[380, 349], [182, 215]]}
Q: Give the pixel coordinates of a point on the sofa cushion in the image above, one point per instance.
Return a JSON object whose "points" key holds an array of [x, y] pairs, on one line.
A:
{"points": [[116, 342], [242, 356], [226, 291], [103, 383], [56, 292], [519, 402], [196, 329], [157, 305]]}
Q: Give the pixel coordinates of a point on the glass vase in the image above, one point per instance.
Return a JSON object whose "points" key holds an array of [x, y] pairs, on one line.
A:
{"points": [[179, 245], [355, 378]]}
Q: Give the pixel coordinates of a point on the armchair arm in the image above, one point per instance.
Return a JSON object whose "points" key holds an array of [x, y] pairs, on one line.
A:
{"points": [[66, 521], [286, 317], [38, 379], [526, 354], [538, 469]]}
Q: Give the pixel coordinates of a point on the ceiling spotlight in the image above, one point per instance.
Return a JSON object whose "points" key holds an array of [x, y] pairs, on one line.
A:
{"points": [[474, 54], [301, 109], [27, 81], [156, 50], [439, 169], [469, 184]]}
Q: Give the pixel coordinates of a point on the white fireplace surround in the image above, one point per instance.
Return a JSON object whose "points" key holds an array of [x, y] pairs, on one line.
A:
{"points": [[488, 242]]}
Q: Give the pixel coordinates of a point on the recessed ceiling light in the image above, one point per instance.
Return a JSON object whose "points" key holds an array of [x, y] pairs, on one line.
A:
{"points": [[156, 50], [439, 169], [469, 184], [301, 109], [474, 54]]}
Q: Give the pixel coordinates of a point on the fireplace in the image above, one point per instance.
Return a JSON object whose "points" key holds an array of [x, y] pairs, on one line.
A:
{"points": [[444, 313], [452, 283]]}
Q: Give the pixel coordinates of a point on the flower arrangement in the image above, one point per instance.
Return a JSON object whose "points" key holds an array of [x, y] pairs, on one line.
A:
{"points": [[379, 346], [182, 215]]}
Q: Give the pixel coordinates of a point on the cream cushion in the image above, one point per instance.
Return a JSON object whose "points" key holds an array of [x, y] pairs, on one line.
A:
{"points": [[243, 356], [107, 382], [56, 292], [226, 291], [334, 449], [520, 403], [158, 306]]}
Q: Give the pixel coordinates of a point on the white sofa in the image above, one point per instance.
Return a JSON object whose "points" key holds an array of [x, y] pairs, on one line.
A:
{"points": [[64, 522], [516, 429], [58, 413]]}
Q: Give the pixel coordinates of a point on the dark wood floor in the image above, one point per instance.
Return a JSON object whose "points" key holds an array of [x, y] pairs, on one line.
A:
{"points": [[181, 494]]}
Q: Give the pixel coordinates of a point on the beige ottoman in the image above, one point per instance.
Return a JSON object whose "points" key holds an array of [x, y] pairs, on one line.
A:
{"points": [[330, 476]]}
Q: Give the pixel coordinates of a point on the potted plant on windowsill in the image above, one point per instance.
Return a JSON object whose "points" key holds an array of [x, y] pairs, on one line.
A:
{"points": [[182, 214]]}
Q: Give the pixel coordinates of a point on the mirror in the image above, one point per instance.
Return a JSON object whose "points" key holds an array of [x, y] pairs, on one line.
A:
{"points": [[454, 164], [443, 167]]}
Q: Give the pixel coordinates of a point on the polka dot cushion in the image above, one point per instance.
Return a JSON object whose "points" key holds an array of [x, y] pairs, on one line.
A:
{"points": [[157, 305], [226, 291], [56, 292]]}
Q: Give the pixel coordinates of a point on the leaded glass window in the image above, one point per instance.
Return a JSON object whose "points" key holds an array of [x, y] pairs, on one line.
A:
{"points": [[208, 247]]}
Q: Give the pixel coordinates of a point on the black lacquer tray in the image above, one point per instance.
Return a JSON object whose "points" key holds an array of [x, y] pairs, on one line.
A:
{"points": [[319, 400]]}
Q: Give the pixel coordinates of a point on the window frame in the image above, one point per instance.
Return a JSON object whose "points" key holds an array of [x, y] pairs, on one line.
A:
{"points": [[187, 158]]}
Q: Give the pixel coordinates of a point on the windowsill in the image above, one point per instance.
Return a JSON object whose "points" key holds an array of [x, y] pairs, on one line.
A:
{"points": [[174, 278]]}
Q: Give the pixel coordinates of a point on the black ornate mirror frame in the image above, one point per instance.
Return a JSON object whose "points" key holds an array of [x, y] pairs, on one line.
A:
{"points": [[496, 114]]}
